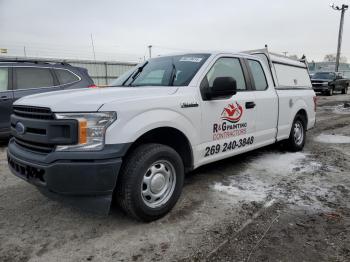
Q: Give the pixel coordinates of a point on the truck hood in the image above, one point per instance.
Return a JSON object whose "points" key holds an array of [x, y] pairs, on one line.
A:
{"points": [[91, 99]]}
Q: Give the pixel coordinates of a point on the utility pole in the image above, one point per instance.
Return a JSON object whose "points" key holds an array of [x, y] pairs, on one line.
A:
{"points": [[93, 50], [343, 8], [150, 51], [285, 53], [93, 47], [24, 51]]}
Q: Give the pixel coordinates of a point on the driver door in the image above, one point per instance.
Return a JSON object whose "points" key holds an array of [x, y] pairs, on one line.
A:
{"points": [[6, 99], [228, 124]]}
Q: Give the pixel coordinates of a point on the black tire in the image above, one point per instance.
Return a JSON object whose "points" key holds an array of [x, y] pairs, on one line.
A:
{"points": [[345, 91], [330, 91], [292, 143], [135, 170]]}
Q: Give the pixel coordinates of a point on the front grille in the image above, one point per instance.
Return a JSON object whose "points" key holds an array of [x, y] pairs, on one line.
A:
{"points": [[40, 113], [33, 112], [37, 130]]}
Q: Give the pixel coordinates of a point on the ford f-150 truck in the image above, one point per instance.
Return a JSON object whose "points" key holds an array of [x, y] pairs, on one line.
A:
{"points": [[328, 82], [169, 115]]}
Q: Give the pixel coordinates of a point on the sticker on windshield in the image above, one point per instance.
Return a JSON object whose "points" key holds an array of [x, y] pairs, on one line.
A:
{"points": [[191, 59]]}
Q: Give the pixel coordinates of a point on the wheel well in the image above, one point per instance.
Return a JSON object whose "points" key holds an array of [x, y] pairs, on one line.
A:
{"points": [[303, 113], [171, 137]]}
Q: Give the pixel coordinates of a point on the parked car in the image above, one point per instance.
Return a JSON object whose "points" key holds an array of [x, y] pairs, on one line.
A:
{"points": [[167, 116], [329, 82], [22, 78]]}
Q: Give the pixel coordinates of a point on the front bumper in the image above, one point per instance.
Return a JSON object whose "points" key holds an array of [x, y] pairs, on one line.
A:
{"points": [[320, 88], [85, 179]]}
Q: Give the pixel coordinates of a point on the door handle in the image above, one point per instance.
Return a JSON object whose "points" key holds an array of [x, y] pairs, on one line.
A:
{"points": [[4, 98], [249, 105]]}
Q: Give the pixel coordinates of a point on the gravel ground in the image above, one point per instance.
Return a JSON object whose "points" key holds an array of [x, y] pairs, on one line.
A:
{"points": [[267, 205]]}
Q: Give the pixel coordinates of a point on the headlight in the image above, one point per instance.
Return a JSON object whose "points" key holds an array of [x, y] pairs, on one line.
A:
{"points": [[92, 129]]}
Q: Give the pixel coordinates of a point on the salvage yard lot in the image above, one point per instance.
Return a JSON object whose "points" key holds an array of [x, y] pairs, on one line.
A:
{"points": [[267, 205]]}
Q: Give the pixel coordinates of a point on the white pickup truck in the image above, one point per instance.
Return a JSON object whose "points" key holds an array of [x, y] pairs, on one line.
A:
{"points": [[169, 115]]}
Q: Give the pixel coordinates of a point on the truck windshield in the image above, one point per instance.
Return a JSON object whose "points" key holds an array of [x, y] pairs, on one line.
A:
{"points": [[324, 75], [163, 71]]}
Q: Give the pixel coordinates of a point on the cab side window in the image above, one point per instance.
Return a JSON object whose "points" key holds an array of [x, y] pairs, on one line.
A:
{"points": [[227, 67], [258, 75], [4, 78], [32, 77]]}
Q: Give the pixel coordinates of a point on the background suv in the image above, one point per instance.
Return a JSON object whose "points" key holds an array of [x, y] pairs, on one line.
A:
{"points": [[22, 78]]}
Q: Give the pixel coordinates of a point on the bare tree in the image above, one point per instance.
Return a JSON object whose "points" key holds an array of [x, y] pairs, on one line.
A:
{"points": [[332, 58], [343, 59], [329, 58]]}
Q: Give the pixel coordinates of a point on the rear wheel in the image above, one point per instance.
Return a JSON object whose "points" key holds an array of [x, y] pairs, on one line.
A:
{"points": [[151, 182], [297, 136]]}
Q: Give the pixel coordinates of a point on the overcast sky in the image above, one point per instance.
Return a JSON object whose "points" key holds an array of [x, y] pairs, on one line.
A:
{"points": [[122, 29]]}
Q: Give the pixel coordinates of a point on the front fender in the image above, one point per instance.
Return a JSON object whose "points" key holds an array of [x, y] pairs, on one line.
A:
{"points": [[130, 130]]}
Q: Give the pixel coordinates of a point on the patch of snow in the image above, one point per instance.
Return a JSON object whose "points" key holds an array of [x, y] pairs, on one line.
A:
{"points": [[341, 109], [250, 192], [333, 139], [263, 173], [270, 203], [277, 163], [312, 166]]}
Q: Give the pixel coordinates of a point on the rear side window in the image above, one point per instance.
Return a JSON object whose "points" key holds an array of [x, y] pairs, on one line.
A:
{"points": [[227, 67], [258, 75], [4, 78], [292, 76], [32, 77], [66, 77]]}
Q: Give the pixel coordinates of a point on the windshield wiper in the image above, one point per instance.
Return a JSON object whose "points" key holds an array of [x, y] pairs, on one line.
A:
{"points": [[136, 74]]}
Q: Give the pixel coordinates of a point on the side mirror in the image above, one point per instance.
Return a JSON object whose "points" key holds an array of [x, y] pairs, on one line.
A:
{"points": [[223, 87]]}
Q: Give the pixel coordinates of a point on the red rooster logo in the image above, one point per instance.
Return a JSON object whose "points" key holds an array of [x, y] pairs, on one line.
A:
{"points": [[232, 113]]}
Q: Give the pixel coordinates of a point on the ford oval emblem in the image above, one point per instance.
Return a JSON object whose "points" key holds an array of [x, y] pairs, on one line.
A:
{"points": [[20, 128]]}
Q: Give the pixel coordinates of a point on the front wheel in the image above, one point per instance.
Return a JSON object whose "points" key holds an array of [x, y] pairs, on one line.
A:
{"points": [[345, 91], [151, 182], [330, 92], [297, 136]]}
